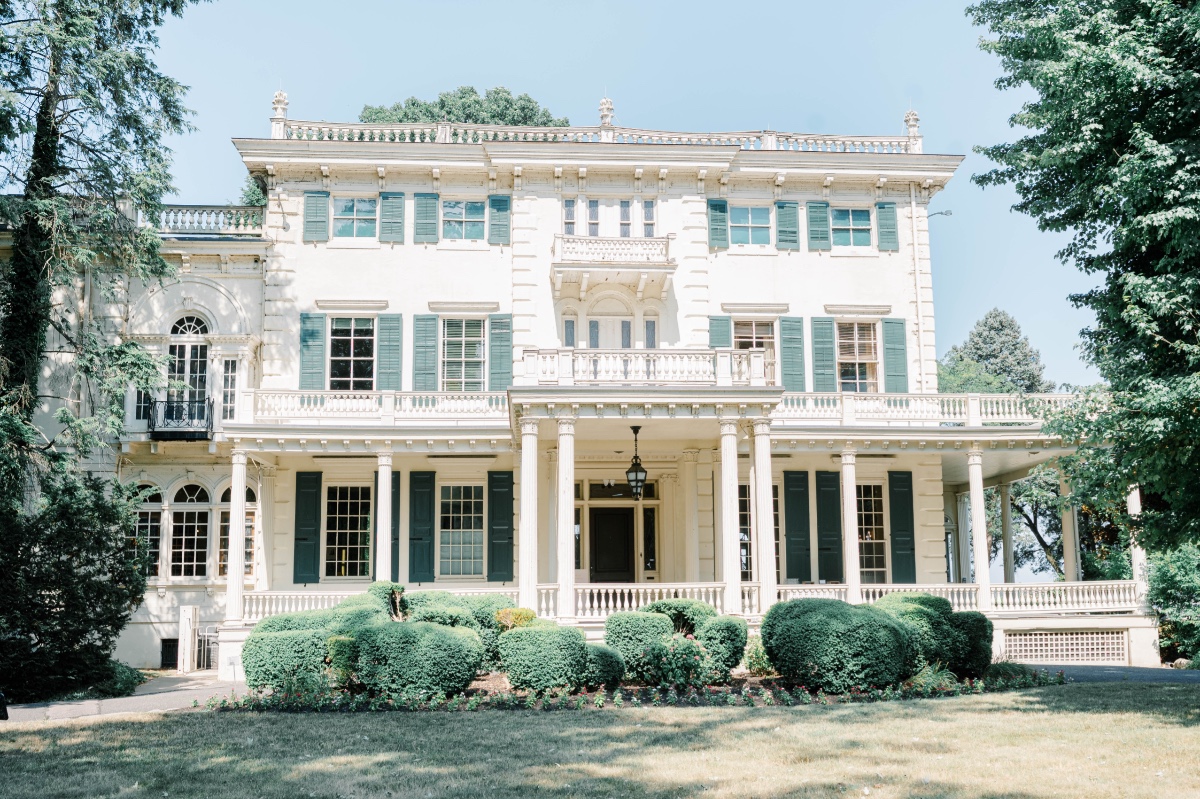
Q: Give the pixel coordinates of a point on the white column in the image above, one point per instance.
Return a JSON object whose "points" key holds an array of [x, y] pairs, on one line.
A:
{"points": [[383, 517], [979, 532], [962, 540], [235, 559], [1137, 555], [1006, 532], [731, 572], [1070, 538], [691, 517], [527, 574], [764, 516], [850, 561], [566, 520]]}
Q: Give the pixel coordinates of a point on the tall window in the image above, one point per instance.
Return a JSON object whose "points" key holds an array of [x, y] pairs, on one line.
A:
{"points": [[354, 217], [649, 540], [756, 335], [187, 369], [462, 355], [872, 548], [593, 211], [651, 333], [189, 533], [462, 219], [626, 218], [858, 357], [749, 225], [578, 533], [648, 220], [143, 405], [745, 531], [347, 531], [569, 217], [851, 227], [461, 530], [148, 531], [223, 549], [229, 389], [569, 332], [352, 354]]}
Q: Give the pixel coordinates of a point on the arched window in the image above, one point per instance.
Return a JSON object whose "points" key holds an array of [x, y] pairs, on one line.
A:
{"points": [[187, 363], [189, 532], [148, 532], [223, 548], [190, 326]]}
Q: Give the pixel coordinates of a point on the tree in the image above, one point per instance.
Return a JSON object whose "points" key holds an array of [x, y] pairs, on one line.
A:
{"points": [[1109, 155], [83, 115], [1175, 593], [996, 349], [496, 107], [252, 193]]}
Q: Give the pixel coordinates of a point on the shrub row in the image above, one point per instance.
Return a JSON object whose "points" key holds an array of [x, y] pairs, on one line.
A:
{"points": [[475, 612], [658, 648]]}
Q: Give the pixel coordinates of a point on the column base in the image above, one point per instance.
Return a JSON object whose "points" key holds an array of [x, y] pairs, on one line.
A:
{"points": [[230, 638]]}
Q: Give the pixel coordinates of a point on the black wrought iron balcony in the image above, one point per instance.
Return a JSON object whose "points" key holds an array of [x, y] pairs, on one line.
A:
{"points": [[181, 420]]}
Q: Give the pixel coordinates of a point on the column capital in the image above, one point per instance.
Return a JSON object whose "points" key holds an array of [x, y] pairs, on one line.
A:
{"points": [[729, 427], [552, 455], [690, 455], [384, 459], [266, 472], [529, 425], [239, 457], [761, 427], [975, 457], [566, 426], [849, 456]]}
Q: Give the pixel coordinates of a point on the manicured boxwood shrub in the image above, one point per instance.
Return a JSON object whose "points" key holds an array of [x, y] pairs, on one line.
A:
{"points": [[835, 646], [538, 658], [677, 661], [448, 615], [976, 630], [418, 655], [724, 638], [927, 618], [303, 620], [605, 666], [279, 660], [630, 632], [482, 608], [419, 599], [390, 594], [688, 615]]}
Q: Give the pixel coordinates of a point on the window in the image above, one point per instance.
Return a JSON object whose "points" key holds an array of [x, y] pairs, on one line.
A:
{"points": [[626, 219], [857, 357], [148, 531], [578, 534], [348, 531], [462, 219], [593, 208], [190, 326], [569, 217], [143, 405], [872, 548], [352, 354], [648, 207], [223, 546], [461, 537], [745, 528], [851, 227], [757, 335], [649, 540], [651, 333], [354, 217], [568, 332], [189, 534], [229, 389], [187, 364], [749, 225], [462, 355]]}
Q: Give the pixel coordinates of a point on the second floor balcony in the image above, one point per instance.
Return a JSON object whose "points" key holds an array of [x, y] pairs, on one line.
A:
{"points": [[648, 367], [645, 265], [180, 419]]}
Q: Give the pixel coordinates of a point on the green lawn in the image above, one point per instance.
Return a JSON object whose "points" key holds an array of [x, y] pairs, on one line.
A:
{"points": [[1088, 740]]}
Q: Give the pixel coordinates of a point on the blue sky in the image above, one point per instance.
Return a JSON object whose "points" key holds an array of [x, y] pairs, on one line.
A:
{"points": [[793, 66]]}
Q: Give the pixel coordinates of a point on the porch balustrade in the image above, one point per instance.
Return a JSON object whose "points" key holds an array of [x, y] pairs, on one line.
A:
{"points": [[599, 600], [372, 407], [611, 250], [258, 605], [1100, 596], [933, 410], [568, 367], [962, 596], [789, 592]]}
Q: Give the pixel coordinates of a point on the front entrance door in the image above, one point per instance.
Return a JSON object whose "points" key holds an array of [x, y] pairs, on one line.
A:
{"points": [[612, 545]]}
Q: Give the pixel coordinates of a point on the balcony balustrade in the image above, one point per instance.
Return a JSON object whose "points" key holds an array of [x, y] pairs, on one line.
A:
{"points": [[211, 220], [622, 250], [372, 407], [598, 367], [180, 420]]}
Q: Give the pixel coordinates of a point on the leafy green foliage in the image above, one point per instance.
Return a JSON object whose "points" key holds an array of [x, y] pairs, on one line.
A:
{"points": [[757, 662], [605, 666], [976, 654], [1107, 155], [834, 646], [930, 678], [275, 660], [1000, 355], [677, 661], [448, 615], [935, 638], [252, 193], [509, 618], [301, 620], [476, 612], [390, 594], [496, 106], [688, 615], [401, 656], [1174, 578], [631, 632], [540, 658], [724, 638]]}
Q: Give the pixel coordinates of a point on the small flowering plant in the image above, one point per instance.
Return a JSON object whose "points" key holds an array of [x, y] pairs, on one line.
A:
{"points": [[678, 661]]}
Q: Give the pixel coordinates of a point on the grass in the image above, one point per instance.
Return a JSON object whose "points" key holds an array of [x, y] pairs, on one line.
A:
{"points": [[1093, 740]]}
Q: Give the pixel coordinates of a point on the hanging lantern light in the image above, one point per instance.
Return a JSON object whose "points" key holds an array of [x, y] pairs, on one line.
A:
{"points": [[636, 473]]}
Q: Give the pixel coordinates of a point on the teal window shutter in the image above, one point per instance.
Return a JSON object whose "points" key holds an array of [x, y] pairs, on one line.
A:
{"points": [[787, 226], [718, 224], [500, 527], [829, 526], [425, 352], [500, 353], [895, 357], [889, 235], [312, 352], [425, 227], [306, 543], [391, 217], [720, 332], [796, 543], [903, 533], [396, 526], [316, 216], [791, 352], [499, 219], [422, 506], [824, 355], [818, 227], [389, 352]]}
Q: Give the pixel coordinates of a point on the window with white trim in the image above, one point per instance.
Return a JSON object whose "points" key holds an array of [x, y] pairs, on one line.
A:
{"points": [[352, 353], [626, 218], [460, 531], [569, 331], [746, 530], [593, 220], [229, 389], [355, 217], [463, 219], [858, 357], [648, 219], [749, 225], [569, 217], [872, 545], [851, 227], [189, 532], [756, 334], [348, 531], [143, 405], [148, 530], [223, 545], [463, 355]]}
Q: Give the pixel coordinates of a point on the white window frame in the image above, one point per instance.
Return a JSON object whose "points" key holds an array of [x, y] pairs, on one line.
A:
{"points": [[751, 226], [590, 205], [483, 345], [852, 247], [370, 546], [884, 527], [334, 217], [160, 508], [463, 482], [570, 216], [649, 220], [170, 508], [876, 363], [223, 511], [442, 220], [329, 357], [625, 218]]}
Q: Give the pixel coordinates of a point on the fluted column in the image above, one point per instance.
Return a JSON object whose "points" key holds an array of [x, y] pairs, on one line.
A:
{"points": [[566, 520], [1137, 555], [527, 572], [383, 518], [1070, 536], [691, 516], [850, 559], [764, 516], [235, 558], [979, 533], [731, 572], [1006, 532]]}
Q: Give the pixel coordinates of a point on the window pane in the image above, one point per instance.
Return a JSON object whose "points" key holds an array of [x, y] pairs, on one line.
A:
{"points": [[861, 218], [862, 238], [760, 216], [760, 235], [343, 207], [841, 216], [841, 238], [365, 228], [739, 235], [474, 231], [739, 216], [452, 230], [452, 209], [343, 227], [475, 210]]}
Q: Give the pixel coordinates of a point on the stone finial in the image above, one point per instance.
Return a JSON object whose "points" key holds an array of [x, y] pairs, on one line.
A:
{"points": [[606, 112], [279, 104], [911, 121]]}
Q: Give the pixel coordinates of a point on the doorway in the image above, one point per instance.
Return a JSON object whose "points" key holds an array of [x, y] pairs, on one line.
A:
{"points": [[612, 545]]}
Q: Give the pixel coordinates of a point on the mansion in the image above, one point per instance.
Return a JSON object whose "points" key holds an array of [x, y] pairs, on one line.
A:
{"points": [[440, 351]]}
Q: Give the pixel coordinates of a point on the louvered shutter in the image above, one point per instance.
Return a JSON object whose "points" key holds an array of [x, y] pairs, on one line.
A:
{"points": [[500, 527], [889, 235], [391, 217], [903, 532], [796, 542], [312, 352], [720, 332], [499, 219], [421, 515], [425, 226], [425, 352], [718, 224], [316, 216], [829, 526], [500, 353], [390, 352], [819, 237], [791, 352], [824, 353], [306, 541], [895, 357], [396, 526], [787, 226]]}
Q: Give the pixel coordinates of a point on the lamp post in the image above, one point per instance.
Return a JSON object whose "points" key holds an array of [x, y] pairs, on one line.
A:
{"points": [[636, 473]]}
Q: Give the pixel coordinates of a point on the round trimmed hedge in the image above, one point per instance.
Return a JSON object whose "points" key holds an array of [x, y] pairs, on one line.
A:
{"points": [[724, 638], [976, 630], [418, 655], [688, 615], [538, 658], [631, 632], [423, 605], [280, 660], [835, 646], [927, 618], [605, 666], [448, 615]]}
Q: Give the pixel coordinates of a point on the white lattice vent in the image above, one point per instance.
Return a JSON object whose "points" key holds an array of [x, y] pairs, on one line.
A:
{"points": [[1095, 646]]}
